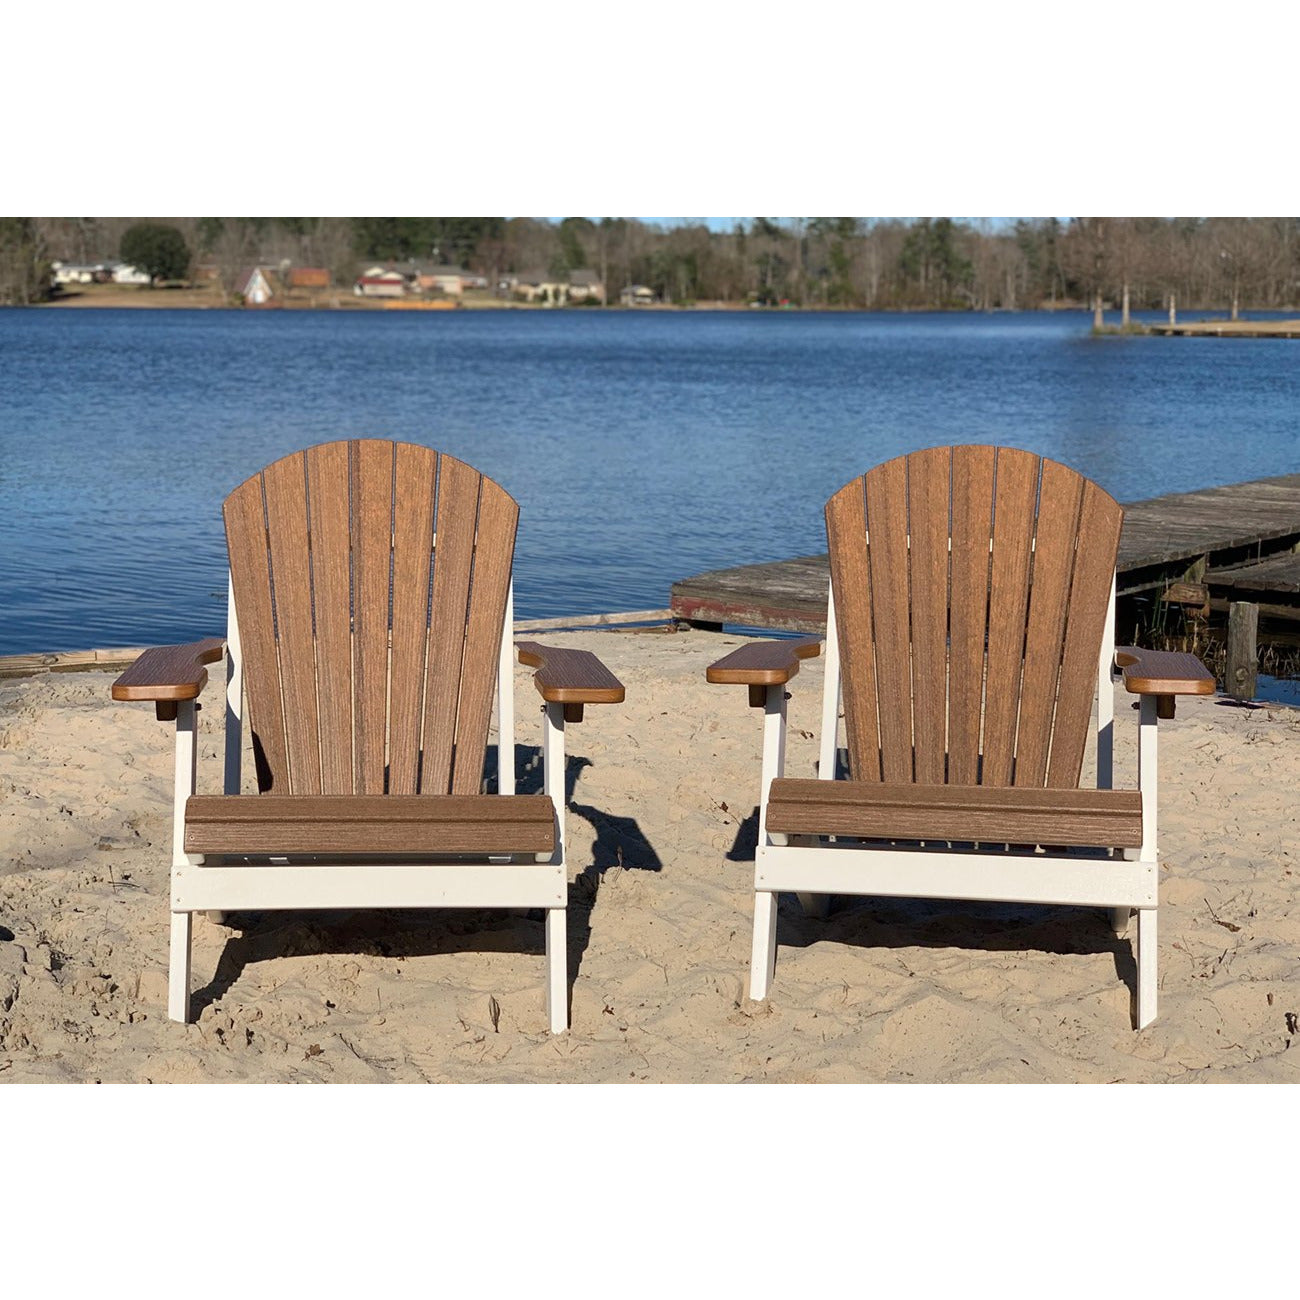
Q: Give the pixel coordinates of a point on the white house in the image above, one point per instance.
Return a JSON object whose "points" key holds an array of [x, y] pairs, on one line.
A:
{"points": [[254, 287], [125, 273], [380, 283], [75, 273]]}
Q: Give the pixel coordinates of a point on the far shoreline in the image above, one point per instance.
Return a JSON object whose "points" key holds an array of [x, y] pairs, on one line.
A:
{"points": [[1198, 321]]}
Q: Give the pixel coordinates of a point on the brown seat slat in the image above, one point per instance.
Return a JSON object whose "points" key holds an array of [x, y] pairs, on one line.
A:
{"points": [[990, 814], [371, 824]]}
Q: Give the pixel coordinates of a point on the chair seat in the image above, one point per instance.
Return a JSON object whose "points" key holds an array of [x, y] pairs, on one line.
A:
{"points": [[369, 824], [986, 814]]}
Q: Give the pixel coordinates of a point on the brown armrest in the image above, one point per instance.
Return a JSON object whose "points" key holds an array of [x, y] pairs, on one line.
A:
{"points": [[1162, 672], [763, 663], [169, 673], [570, 677]]}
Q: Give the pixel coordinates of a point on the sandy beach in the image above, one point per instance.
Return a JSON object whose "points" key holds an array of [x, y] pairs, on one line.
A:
{"points": [[661, 833]]}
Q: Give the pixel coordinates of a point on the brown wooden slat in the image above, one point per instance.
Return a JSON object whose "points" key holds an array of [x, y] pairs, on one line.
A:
{"points": [[578, 676], [494, 547], [1100, 519], [1054, 541], [939, 813], [371, 824], [372, 519], [972, 511], [886, 487], [169, 672], [415, 478], [328, 487], [285, 486], [846, 531], [458, 491], [760, 663], [1013, 535], [251, 577], [929, 487]]}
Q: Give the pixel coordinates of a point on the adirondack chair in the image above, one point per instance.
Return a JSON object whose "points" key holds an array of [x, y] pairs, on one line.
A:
{"points": [[969, 626], [370, 624]]}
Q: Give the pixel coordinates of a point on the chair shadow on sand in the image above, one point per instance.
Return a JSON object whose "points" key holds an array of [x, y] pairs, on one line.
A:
{"points": [[946, 923], [419, 932]]}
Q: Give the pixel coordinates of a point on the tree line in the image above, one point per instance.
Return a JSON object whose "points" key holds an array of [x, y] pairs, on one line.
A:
{"points": [[1226, 263]]}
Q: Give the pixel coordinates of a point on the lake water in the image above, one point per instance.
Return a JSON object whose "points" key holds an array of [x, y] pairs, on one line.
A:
{"points": [[641, 447]]}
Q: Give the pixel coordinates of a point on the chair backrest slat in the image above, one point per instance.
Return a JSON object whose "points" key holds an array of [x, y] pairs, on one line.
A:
{"points": [[929, 489], [972, 534], [971, 589], [1100, 521], [887, 548], [329, 478], [250, 574], [846, 523], [1058, 527], [497, 515], [1015, 496], [370, 583], [413, 541], [285, 488], [372, 543], [457, 517]]}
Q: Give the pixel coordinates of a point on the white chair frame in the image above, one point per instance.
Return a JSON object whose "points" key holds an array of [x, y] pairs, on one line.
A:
{"points": [[510, 881], [816, 867]]}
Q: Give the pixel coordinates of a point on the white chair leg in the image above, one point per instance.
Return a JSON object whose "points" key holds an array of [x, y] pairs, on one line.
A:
{"points": [[817, 906], [762, 962], [1119, 919], [1146, 966], [178, 979], [557, 970]]}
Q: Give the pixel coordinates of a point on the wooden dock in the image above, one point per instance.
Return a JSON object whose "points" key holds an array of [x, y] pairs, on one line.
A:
{"points": [[1231, 329], [1240, 541]]}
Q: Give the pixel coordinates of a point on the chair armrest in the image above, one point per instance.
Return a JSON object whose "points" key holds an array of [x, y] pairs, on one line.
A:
{"points": [[761, 664], [169, 673], [1165, 674], [570, 677], [1162, 672]]}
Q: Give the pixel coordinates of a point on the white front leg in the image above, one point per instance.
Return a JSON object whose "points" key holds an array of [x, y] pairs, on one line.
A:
{"points": [[178, 980]]}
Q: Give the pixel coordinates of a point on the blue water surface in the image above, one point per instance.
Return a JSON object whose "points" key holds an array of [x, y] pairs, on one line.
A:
{"points": [[642, 447]]}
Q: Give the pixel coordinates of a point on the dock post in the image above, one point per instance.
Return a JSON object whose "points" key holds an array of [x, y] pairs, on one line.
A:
{"points": [[1243, 662]]}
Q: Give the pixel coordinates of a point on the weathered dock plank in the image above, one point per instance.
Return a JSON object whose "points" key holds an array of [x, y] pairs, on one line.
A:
{"points": [[1279, 574], [1165, 538]]}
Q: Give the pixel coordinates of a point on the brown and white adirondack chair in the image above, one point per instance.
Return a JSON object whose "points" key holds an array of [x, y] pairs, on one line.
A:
{"points": [[970, 626], [370, 621]]}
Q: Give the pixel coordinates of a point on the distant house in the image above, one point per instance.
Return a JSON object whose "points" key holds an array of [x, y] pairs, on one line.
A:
{"points": [[254, 286], [308, 277], [378, 282], [76, 273], [125, 273], [536, 286], [584, 285], [636, 295], [449, 280]]}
